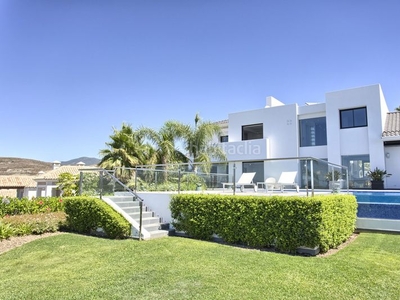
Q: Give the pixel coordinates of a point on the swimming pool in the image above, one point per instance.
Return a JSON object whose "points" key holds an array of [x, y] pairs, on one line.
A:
{"points": [[377, 197], [378, 210]]}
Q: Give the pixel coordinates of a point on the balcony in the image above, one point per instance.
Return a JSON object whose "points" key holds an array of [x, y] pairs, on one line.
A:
{"points": [[249, 150]]}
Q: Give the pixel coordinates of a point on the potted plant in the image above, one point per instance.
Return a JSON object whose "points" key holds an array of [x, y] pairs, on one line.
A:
{"points": [[333, 178], [377, 175]]}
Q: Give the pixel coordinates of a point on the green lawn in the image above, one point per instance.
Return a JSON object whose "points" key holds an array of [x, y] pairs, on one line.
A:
{"points": [[72, 266]]}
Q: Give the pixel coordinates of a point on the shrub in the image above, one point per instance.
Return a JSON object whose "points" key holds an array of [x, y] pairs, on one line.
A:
{"points": [[68, 184], [188, 182], [19, 225], [6, 231], [283, 222], [191, 181], [15, 206], [87, 214]]}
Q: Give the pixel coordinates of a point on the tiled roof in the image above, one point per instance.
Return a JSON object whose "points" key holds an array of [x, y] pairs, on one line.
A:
{"points": [[53, 174], [392, 125], [15, 181], [222, 122]]}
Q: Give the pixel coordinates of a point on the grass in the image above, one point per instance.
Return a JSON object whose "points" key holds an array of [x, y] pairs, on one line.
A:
{"points": [[73, 266]]}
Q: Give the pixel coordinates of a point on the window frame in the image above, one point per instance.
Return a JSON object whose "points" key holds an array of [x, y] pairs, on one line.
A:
{"points": [[249, 126], [303, 134], [223, 139], [353, 117]]}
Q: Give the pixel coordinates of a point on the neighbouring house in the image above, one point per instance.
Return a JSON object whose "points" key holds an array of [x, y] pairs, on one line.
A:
{"points": [[17, 186], [42, 185], [352, 127], [46, 182]]}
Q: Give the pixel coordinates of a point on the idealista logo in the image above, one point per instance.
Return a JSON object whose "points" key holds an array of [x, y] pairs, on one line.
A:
{"points": [[246, 148]]}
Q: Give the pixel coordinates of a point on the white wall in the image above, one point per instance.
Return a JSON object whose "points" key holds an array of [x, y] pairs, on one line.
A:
{"points": [[392, 157], [30, 192], [251, 149], [356, 141], [314, 151], [280, 128], [158, 202], [312, 111]]}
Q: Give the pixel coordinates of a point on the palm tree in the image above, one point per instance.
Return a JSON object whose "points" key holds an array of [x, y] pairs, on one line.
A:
{"points": [[163, 141], [126, 150], [198, 142]]}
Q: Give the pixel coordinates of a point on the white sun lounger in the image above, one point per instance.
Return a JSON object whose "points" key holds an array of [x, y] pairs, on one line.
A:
{"points": [[245, 179], [287, 178]]}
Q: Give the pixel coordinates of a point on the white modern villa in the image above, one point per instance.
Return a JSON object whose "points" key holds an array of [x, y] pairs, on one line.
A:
{"points": [[353, 128]]}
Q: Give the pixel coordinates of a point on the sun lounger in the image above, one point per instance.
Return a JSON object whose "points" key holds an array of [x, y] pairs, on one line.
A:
{"points": [[245, 179], [287, 178]]}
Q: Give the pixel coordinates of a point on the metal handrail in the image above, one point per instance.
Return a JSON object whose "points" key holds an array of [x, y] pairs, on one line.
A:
{"points": [[178, 168], [136, 197]]}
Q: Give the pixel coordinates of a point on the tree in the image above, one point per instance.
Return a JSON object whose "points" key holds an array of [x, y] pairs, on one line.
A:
{"points": [[199, 143], [397, 108], [163, 141], [126, 149], [68, 184]]}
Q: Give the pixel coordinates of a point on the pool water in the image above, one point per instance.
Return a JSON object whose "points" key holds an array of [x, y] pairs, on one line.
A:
{"points": [[377, 197], [378, 205]]}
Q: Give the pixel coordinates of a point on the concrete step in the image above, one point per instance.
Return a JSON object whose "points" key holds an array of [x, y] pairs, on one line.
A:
{"points": [[145, 215], [127, 204], [152, 227], [122, 194], [147, 221], [158, 234], [130, 210], [123, 199]]}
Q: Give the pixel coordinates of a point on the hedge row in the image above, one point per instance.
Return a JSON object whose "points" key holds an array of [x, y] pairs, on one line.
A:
{"points": [[15, 206], [285, 223], [87, 214]]}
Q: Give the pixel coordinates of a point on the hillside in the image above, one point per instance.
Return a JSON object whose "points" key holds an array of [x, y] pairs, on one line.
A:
{"points": [[23, 166], [89, 161]]}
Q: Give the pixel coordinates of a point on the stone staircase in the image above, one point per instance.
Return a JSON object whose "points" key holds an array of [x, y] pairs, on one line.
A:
{"points": [[151, 224]]}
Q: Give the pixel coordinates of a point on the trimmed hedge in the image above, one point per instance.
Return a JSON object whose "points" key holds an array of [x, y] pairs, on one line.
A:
{"points": [[285, 223], [87, 214]]}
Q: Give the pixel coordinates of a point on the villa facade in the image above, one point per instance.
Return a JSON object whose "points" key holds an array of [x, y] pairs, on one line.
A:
{"points": [[352, 127]]}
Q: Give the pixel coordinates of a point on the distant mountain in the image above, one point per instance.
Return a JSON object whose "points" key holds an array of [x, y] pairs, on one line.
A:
{"points": [[89, 161], [26, 166], [23, 166]]}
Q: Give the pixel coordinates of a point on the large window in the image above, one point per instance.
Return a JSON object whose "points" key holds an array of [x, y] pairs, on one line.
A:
{"points": [[252, 132], [359, 166], [356, 117], [254, 166], [313, 132]]}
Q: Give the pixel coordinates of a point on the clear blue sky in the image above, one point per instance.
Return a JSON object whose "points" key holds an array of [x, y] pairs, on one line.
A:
{"points": [[71, 70]]}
